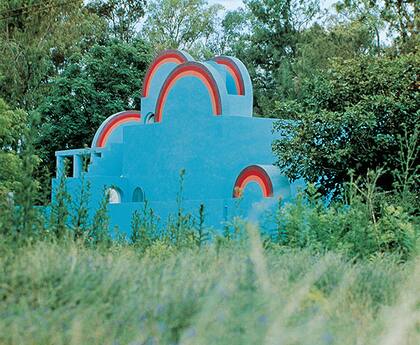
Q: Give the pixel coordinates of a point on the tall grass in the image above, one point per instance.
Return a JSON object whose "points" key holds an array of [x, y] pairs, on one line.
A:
{"points": [[345, 272], [233, 293]]}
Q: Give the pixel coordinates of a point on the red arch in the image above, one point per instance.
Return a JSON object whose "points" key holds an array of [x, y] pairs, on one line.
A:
{"points": [[119, 119], [174, 56], [189, 69], [253, 173], [234, 71]]}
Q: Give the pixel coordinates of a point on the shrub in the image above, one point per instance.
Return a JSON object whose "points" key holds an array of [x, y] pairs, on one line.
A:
{"points": [[351, 118], [366, 224]]}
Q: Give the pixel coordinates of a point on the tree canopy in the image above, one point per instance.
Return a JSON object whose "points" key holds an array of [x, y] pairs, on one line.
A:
{"points": [[13, 129], [92, 86], [181, 24], [352, 118]]}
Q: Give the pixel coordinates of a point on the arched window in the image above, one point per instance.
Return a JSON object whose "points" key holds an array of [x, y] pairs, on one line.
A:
{"points": [[150, 118], [138, 195], [114, 195]]}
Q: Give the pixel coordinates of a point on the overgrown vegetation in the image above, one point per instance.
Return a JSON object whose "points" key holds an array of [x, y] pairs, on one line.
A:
{"points": [[234, 293], [341, 265]]}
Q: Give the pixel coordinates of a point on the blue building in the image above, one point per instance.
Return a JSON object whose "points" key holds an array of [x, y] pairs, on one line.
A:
{"points": [[195, 117]]}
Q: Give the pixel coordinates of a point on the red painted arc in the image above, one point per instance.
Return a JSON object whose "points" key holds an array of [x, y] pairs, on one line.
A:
{"points": [[115, 123], [234, 71], [167, 56], [253, 173], [189, 69]]}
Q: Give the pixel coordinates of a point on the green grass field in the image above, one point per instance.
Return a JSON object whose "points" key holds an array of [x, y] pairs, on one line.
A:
{"points": [[229, 293]]}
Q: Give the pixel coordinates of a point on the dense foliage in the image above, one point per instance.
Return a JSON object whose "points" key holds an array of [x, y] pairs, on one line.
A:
{"points": [[91, 87], [12, 132], [354, 117], [182, 24], [36, 38]]}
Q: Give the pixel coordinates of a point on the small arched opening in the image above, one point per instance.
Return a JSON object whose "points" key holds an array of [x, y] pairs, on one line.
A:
{"points": [[150, 118], [138, 195], [114, 195]]}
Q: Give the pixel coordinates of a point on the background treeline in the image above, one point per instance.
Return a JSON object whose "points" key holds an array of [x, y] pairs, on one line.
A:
{"points": [[347, 76]]}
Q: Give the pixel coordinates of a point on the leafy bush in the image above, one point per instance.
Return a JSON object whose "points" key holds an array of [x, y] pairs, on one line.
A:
{"points": [[366, 224], [353, 117], [13, 130]]}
